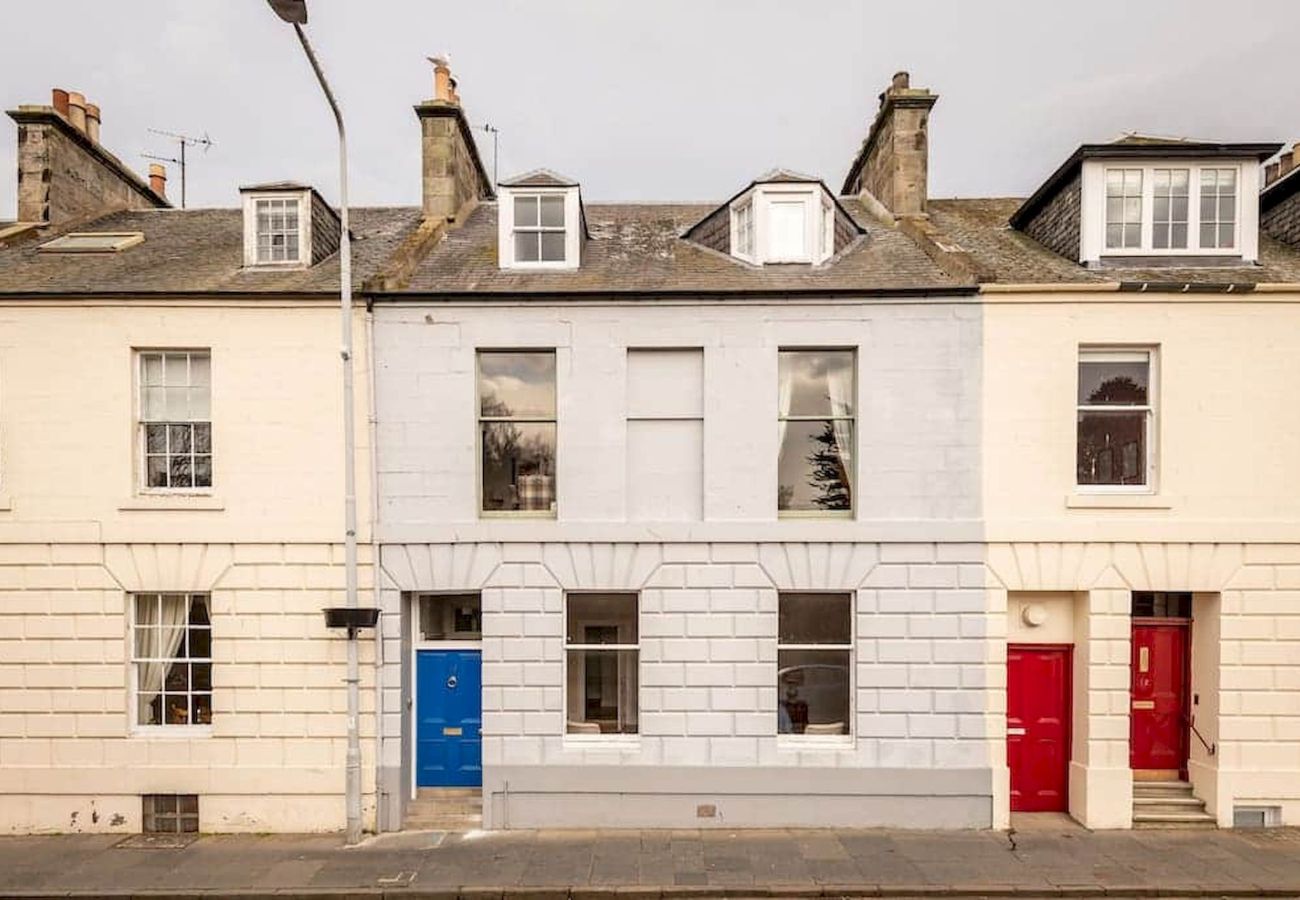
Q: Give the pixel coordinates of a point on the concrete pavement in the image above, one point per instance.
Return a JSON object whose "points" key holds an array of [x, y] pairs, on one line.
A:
{"points": [[1038, 859]]}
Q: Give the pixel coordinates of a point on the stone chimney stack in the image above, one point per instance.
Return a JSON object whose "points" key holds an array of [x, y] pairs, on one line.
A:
{"points": [[892, 168], [453, 177], [64, 172], [1283, 165]]}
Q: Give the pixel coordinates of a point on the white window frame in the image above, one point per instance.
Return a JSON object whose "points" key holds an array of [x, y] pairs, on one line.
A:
{"points": [[479, 419], [601, 738], [303, 199], [141, 439], [852, 511], [742, 227], [187, 730], [833, 741], [819, 239], [572, 228], [1092, 245], [1128, 354]]}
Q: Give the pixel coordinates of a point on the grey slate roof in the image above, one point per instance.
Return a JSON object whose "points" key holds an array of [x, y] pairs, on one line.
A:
{"points": [[981, 228], [193, 251], [638, 248]]}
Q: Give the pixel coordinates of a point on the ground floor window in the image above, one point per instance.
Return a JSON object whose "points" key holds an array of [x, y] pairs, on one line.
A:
{"points": [[814, 659], [450, 617], [602, 655], [172, 658]]}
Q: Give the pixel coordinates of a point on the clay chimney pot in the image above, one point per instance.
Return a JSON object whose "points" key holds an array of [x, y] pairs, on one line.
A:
{"points": [[443, 86], [60, 101], [92, 122], [158, 179], [901, 81], [77, 111]]}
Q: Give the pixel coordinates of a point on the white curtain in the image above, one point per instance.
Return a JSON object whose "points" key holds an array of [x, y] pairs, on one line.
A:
{"points": [[784, 396], [163, 628], [839, 384]]}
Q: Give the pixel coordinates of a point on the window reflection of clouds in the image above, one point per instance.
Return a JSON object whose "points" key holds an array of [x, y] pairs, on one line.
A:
{"points": [[519, 385], [811, 372]]}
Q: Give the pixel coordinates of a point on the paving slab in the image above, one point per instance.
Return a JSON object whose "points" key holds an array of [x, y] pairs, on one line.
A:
{"points": [[1045, 860]]}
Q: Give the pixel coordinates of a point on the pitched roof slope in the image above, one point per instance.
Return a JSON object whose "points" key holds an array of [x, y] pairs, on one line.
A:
{"points": [[637, 248], [981, 227], [193, 251]]}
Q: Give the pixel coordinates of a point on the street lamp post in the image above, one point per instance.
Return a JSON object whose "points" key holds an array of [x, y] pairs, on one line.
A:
{"points": [[295, 13]]}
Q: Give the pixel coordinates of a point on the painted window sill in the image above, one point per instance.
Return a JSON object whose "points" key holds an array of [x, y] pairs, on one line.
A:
{"points": [[6, 503], [814, 741], [171, 732], [1119, 500], [603, 741], [173, 502]]}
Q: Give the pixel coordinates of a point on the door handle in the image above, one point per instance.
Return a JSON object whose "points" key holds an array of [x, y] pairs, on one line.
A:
{"points": [[1015, 732]]}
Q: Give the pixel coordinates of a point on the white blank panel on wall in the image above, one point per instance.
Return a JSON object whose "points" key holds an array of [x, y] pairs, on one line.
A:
{"points": [[665, 469], [665, 435]]}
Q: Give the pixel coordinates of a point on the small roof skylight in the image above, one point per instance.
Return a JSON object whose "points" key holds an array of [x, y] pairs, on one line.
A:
{"points": [[93, 242]]}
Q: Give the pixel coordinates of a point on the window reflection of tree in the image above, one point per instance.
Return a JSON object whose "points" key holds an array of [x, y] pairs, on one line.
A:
{"points": [[828, 475], [1111, 444]]}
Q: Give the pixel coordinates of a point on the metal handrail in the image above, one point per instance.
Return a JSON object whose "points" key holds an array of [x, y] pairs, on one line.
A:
{"points": [[1209, 748]]}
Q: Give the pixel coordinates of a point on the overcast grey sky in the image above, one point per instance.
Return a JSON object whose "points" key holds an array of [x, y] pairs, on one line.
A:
{"points": [[652, 99]]}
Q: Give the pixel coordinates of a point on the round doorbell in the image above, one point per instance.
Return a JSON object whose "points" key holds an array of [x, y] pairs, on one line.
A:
{"points": [[1034, 614]]}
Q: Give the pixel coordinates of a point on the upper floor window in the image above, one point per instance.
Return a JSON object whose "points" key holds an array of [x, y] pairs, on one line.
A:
{"points": [[278, 231], [816, 416], [1170, 210], [175, 423], [539, 228], [517, 421], [1115, 419], [171, 640]]}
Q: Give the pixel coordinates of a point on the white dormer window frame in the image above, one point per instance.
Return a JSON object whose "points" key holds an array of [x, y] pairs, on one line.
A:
{"points": [[508, 229], [259, 253], [761, 220], [1149, 177]]}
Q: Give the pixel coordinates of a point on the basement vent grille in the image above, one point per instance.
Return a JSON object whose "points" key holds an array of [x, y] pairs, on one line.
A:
{"points": [[171, 814], [1256, 816]]}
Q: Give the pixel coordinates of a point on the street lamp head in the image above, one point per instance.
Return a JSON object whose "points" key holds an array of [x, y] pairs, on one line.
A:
{"points": [[292, 11]]}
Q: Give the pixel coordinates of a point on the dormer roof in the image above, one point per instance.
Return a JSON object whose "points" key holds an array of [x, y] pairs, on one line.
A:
{"points": [[539, 178], [1134, 146]]}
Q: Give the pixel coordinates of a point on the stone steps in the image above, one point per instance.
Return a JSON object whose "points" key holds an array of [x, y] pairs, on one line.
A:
{"points": [[445, 809], [1168, 804]]}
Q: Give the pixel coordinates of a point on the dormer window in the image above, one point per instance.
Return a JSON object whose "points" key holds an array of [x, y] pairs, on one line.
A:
{"points": [[1172, 221], [742, 225], [540, 222], [279, 232], [287, 225]]}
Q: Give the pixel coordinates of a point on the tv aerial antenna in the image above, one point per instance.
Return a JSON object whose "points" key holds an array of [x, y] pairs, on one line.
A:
{"points": [[184, 140]]}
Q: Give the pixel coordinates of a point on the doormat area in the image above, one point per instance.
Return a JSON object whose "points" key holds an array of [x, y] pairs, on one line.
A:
{"points": [[156, 842]]}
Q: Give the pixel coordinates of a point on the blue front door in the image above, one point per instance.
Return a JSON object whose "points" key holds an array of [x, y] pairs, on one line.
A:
{"points": [[448, 716]]}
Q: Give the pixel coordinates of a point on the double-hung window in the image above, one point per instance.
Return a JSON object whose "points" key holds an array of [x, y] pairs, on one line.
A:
{"points": [[517, 423], [1218, 208], [816, 415], [1115, 417], [814, 660], [278, 230], [539, 228], [172, 659], [1123, 208], [602, 654], [175, 419], [1169, 209]]}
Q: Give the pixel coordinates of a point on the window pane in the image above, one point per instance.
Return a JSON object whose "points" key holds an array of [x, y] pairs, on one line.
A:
{"points": [[176, 709], [815, 619], [148, 706], [152, 368], [601, 619], [199, 408], [602, 691], [787, 230], [1178, 236], [812, 691], [202, 438], [178, 438], [201, 676], [203, 471], [815, 383], [526, 212], [155, 438], [181, 472], [552, 246], [526, 246], [1225, 235], [200, 640], [517, 385], [552, 211], [813, 472], [176, 369], [1113, 383], [1112, 448], [199, 611], [1208, 233], [518, 466], [201, 710], [178, 404], [156, 471], [450, 617], [1114, 235]]}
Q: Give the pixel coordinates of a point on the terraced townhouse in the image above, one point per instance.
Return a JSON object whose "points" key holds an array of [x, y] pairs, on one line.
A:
{"points": [[803, 508]]}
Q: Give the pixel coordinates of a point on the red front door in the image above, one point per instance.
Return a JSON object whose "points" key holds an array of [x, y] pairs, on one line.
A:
{"points": [[1157, 729], [1038, 727]]}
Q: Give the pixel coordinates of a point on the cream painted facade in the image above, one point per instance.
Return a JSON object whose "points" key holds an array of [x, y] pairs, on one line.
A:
{"points": [[78, 538], [1223, 521]]}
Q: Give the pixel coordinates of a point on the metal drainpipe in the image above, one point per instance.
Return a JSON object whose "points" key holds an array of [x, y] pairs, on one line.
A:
{"points": [[373, 417]]}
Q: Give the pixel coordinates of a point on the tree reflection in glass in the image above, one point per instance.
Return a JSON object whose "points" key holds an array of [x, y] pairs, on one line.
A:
{"points": [[517, 430], [816, 410]]}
